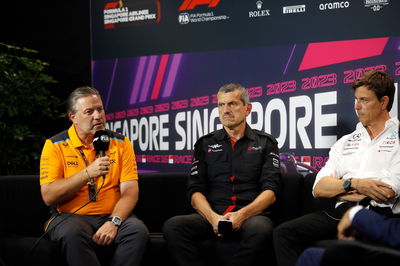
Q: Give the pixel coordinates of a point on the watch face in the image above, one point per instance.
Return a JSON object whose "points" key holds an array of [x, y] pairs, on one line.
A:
{"points": [[346, 184], [116, 220]]}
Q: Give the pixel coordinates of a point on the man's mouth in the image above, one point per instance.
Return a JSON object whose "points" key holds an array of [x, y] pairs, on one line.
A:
{"points": [[98, 125]]}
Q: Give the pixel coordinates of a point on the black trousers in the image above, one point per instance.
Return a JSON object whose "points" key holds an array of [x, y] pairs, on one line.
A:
{"points": [[350, 253], [183, 234], [292, 237], [75, 237]]}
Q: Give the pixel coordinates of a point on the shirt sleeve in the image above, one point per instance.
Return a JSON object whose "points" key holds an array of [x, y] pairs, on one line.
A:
{"points": [[330, 168], [392, 177], [51, 164], [271, 174], [198, 173], [353, 211], [129, 167]]}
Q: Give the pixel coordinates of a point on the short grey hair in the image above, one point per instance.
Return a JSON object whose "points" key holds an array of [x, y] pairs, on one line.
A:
{"points": [[230, 87], [79, 93]]}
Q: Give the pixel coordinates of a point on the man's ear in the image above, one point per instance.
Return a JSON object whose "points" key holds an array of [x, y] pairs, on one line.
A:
{"points": [[248, 108], [71, 117], [384, 101]]}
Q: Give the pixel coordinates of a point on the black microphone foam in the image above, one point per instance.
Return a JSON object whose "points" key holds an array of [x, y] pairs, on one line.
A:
{"points": [[101, 142]]}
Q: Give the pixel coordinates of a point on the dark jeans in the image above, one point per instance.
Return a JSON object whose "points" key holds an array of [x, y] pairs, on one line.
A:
{"points": [[75, 237], [183, 234]]}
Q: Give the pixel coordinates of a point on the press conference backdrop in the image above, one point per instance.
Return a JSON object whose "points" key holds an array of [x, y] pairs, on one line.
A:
{"points": [[159, 63]]}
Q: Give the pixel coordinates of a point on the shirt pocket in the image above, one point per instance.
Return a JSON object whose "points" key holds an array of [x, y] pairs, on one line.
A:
{"points": [[217, 164], [253, 162]]}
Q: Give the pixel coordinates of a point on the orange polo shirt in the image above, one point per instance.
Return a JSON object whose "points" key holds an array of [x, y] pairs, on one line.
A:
{"points": [[62, 159]]}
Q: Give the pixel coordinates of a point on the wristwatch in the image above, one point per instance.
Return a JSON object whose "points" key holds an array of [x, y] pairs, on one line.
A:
{"points": [[116, 220], [347, 184]]}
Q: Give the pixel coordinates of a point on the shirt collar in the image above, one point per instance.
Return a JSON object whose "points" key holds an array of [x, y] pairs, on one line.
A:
{"points": [[221, 134], [76, 141], [392, 121], [388, 123]]}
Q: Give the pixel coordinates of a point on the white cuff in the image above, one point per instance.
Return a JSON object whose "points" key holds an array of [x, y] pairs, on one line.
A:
{"points": [[353, 211]]}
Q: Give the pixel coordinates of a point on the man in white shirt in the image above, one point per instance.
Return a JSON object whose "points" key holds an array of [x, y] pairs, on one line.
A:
{"points": [[363, 168]]}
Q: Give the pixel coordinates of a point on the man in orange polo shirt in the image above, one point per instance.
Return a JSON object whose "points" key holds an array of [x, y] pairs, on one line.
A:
{"points": [[70, 167]]}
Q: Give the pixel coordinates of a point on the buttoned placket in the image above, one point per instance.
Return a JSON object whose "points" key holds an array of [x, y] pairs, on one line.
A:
{"points": [[232, 180]]}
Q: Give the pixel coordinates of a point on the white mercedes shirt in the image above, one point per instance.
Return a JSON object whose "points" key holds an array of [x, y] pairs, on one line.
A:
{"points": [[356, 155]]}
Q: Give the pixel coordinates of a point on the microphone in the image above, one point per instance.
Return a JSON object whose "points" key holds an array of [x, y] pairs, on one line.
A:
{"points": [[101, 142]]}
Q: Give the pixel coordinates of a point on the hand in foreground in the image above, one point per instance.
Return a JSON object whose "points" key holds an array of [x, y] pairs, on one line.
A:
{"points": [[105, 235], [344, 227], [214, 222], [236, 218]]}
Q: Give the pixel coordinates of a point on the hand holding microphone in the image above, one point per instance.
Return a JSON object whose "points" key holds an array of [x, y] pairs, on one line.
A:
{"points": [[101, 166]]}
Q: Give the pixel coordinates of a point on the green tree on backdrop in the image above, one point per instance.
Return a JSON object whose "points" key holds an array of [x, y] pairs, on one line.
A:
{"points": [[27, 109]]}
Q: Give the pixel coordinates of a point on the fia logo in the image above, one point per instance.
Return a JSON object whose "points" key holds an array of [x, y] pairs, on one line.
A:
{"points": [[183, 18]]}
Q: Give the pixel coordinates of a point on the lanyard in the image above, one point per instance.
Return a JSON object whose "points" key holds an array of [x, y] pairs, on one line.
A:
{"points": [[83, 156], [86, 162], [92, 190]]}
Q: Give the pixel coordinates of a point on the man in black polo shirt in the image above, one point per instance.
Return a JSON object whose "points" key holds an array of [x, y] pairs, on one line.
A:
{"points": [[235, 177]]}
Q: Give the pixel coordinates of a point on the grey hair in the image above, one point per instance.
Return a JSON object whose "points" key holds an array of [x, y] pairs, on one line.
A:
{"points": [[79, 93], [230, 87]]}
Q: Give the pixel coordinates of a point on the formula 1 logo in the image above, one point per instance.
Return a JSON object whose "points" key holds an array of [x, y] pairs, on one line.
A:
{"points": [[191, 4], [206, 16], [118, 14]]}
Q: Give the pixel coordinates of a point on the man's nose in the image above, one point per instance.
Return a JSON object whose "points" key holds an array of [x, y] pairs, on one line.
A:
{"points": [[226, 109], [97, 114], [357, 105]]}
